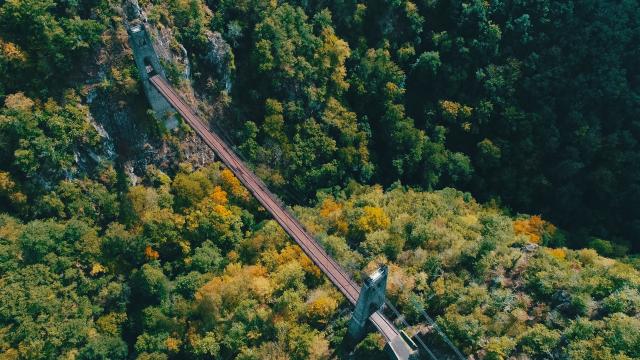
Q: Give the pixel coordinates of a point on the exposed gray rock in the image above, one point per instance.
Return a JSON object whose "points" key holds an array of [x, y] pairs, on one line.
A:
{"points": [[132, 10], [196, 152], [121, 119], [219, 57]]}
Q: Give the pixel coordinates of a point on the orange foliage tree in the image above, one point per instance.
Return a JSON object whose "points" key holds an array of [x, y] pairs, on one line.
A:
{"points": [[534, 227], [233, 185], [331, 211]]}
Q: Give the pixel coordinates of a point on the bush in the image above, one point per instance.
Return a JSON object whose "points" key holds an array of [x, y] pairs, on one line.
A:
{"points": [[539, 342]]}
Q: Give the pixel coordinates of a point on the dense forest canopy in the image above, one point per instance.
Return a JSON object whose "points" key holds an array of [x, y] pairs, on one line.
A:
{"points": [[381, 120], [534, 103], [194, 269]]}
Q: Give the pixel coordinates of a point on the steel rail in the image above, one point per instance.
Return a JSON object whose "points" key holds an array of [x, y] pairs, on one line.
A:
{"points": [[289, 223], [258, 189]]}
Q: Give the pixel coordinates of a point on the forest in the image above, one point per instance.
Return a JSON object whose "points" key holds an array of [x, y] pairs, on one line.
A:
{"points": [[486, 151]]}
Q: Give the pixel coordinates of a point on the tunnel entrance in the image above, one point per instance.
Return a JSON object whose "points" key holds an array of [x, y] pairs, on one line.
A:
{"points": [[151, 71]]}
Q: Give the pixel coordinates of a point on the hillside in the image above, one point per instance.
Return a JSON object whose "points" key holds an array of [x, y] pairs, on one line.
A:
{"points": [[194, 269], [418, 134]]}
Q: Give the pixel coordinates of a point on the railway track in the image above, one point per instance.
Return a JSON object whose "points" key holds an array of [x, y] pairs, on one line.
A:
{"points": [[289, 223]]}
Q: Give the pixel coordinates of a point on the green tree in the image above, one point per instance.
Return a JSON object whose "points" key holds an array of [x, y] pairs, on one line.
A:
{"points": [[539, 341], [40, 141], [48, 318], [150, 284], [44, 41]]}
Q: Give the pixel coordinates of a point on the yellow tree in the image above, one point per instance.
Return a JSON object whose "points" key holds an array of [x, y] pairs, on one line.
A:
{"points": [[373, 219]]}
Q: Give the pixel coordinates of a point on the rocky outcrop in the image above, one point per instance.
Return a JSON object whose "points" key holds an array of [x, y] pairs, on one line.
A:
{"points": [[133, 138], [169, 50], [219, 58]]}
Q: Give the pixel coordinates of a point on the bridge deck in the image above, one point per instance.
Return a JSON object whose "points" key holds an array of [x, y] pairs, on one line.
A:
{"points": [[289, 223]]}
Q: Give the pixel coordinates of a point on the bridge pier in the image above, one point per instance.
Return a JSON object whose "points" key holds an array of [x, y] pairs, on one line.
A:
{"points": [[371, 299], [148, 65]]}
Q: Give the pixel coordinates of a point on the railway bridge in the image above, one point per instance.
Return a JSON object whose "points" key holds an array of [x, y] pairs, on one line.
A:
{"points": [[163, 98], [396, 344]]}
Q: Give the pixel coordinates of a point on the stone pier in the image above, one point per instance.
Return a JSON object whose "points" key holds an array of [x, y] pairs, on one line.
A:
{"points": [[371, 299], [148, 65]]}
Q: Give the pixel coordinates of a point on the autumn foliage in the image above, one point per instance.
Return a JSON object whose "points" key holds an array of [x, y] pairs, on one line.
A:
{"points": [[534, 228]]}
